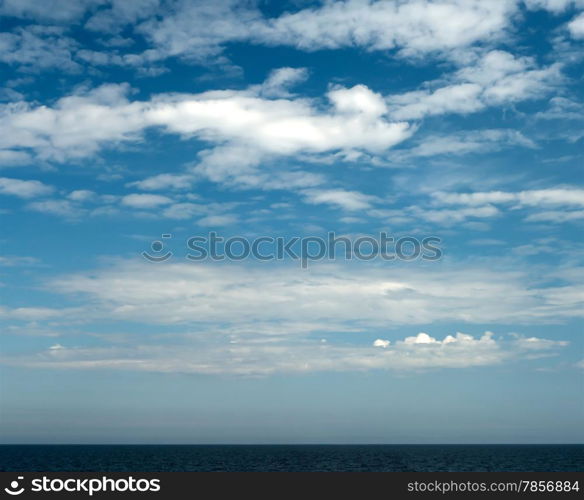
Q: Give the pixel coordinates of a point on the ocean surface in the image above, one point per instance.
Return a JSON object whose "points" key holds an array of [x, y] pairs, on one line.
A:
{"points": [[368, 458]]}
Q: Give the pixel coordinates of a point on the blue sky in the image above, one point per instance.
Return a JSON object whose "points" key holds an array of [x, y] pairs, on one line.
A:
{"points": [[122, 121]]}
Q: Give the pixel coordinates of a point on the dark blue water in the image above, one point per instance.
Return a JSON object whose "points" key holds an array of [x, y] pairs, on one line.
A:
{"points": [[413, 458]]}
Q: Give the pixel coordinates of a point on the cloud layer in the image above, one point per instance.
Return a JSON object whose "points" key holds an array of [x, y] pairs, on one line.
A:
{"points": [[232, 357], [329, 295]]}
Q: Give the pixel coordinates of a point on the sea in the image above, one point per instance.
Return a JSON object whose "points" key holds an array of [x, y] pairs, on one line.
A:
{"points": [[292, 458]]}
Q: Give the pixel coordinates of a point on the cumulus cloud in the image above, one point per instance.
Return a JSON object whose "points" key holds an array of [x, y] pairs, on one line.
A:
{"points": [[24, 189], [246, 166], [119, 14], [347, 200], [79, 125], [10, 158], [198, 30], [576, 26], [185, 210], [164, 181], [75, 127], [83, 202], [218, 220], [60, 208], [256, 137], [455, 207], [246, 130], [281, 126], [562, 108], [492, 79], [458, 98], [139, 200], [81, 195], [37, 48], [280, 80], [49, 10], [250, 129]]}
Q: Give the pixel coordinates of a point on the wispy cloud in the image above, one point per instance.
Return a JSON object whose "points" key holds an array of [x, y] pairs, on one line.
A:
{"points": [[327, 294], [421, 352]]}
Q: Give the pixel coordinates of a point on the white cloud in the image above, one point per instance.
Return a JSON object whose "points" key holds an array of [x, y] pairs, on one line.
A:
{"points": [[279, 126], [37, 48], [139, 200], [534, 198], [325, 294], [83, 202], [451, 217], [347, 200], [218, 220], [164, 181], [537, 344], [250, 357], [280, 80], [239, 166], [29, 313], [569, 198], [461, 143], [15, 260], [183, 210], [555, 6], [248, 132], [358, 100], [61, 208], [23, 189], [493, 79], [562, 108], [79, 125], [75, 127], [198, 30], [81, 195], [120, 14], [576, 26], [457, 98], [10, 158], [556, 216], [48, 10]]}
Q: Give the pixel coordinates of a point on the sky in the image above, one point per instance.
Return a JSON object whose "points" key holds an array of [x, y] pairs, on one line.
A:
{"points": [[123, 121]]}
